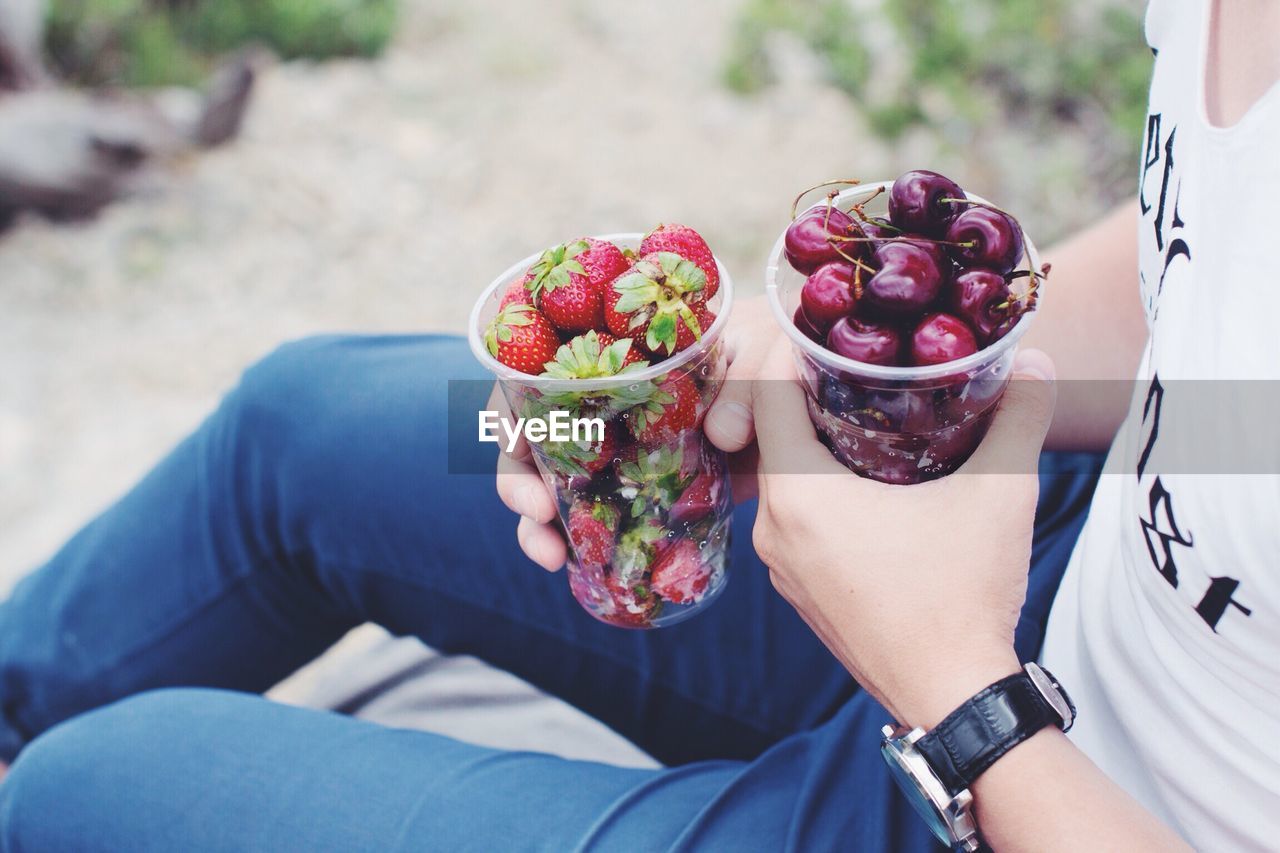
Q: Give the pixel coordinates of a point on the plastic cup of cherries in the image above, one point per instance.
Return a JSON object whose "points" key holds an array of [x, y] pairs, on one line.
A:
{"points": [[904, 301]]}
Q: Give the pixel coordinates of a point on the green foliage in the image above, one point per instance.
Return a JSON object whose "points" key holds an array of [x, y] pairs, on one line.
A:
{"points": [[163, 42], [1042, 65]]}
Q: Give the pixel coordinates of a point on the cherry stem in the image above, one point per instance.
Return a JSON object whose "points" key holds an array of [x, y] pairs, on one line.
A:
{"points": [[967, 244], [795, 205]]}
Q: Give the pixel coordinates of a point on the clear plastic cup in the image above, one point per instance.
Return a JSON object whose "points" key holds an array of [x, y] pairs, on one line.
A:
{"points": [[647, 522], [894, 424]]}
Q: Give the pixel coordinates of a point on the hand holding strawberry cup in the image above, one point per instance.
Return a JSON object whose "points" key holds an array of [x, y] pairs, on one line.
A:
{"points": [[633, 337], [903, 327]]}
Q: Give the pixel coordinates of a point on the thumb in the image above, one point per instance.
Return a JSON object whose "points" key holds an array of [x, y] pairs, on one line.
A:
{"points": [[1013, 442]]}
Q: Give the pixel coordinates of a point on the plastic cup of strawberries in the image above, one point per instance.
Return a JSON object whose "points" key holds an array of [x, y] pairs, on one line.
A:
{"points": [[904, 319], [626, 329]]}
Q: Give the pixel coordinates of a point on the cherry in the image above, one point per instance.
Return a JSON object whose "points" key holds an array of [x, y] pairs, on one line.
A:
{"points": [[806, 327], [909, 278], [915, 202], [900, 410], [872, 343], [827, 295], [996, 239], [808, 244], [977, 296], [941, 338]]}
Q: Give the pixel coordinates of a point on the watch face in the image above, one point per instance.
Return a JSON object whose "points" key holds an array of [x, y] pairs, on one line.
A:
{"points": [[914, 793]]}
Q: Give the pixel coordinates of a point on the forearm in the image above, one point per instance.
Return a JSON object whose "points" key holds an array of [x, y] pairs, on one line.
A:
{"points": [[1091, 323], [1046, 795]]}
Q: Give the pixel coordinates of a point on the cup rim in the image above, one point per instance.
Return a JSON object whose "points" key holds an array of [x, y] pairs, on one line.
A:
{"points": [[628, 239], [823, 355]]}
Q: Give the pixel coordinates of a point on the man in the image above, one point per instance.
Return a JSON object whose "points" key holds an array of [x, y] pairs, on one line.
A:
{"points": [[316, 497]]}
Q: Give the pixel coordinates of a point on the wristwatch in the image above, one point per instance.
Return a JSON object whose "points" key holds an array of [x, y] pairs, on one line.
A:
{"points": [[935, 769]]}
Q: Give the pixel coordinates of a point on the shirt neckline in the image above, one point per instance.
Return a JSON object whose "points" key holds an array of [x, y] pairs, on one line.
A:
{"points": [[1250, 116]]}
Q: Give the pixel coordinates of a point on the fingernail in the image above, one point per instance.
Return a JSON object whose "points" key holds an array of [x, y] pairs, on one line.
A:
{"points": [[1034, 363], [733, 422], [526, 501]]}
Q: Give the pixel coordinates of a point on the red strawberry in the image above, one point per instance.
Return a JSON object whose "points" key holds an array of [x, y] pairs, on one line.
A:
{"points": [[679, 574], [559, 286], [688, 244], [698, 500], [593, 528], [674, 408], [521, 338], [516, 293], [602, 261], [653, 301]]}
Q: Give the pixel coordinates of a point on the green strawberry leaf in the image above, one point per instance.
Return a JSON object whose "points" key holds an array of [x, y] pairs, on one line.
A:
{"points": [[683, 276], [662, 333]]}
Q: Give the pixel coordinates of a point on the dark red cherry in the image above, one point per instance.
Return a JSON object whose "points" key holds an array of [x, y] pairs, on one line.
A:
{"points": [[916, 202], [808, 244], [807, 328], [908, 280], [981, 299], [941, 338], [827, 295], [996, 239], [879, 231], [873, 343]]}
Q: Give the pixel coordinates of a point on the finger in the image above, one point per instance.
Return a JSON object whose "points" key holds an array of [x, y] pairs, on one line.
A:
{"points": [[1016, 435], [729, 424], [498, 403], [788, 442], [522, 489], [542, 543]]}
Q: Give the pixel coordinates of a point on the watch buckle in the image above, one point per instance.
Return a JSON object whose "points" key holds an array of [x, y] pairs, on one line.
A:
{"points": [[1051, 693]]}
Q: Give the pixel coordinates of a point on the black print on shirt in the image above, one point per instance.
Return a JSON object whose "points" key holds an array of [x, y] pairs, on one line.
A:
{"points": [[1164, 536], [1151, 415]]}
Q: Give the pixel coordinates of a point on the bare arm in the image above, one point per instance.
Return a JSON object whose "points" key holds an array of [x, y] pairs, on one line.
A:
{"points": [[1091, 323], [964, 567]]}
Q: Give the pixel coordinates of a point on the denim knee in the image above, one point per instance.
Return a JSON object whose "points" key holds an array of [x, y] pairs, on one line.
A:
{"points": [[78, 768]]}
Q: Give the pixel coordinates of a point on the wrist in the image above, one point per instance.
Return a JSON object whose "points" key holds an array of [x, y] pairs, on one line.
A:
{"points": [[924, 697]]}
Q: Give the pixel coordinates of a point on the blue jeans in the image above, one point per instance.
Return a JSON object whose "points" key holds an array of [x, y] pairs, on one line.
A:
{"points": [[317, 497]]}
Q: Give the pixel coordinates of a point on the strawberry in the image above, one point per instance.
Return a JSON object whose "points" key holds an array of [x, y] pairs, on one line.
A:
{"points": [[679, 574], [698, 500], [602, 261], [559, 287], [593, 526], [652, 480], [568, 282], [522, 339], [674, 407], [516, 293], [654, 299], [688, 244]]}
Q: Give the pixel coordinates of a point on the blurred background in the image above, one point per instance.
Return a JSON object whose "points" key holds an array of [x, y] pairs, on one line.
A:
{"points": [[395, 155]]}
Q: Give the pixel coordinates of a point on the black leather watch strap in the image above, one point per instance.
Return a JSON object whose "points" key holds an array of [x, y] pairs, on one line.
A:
{"points": [[984, 728]]}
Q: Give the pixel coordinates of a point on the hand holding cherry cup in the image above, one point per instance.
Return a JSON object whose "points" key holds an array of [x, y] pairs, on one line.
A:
{"points": [[917, 588]]}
